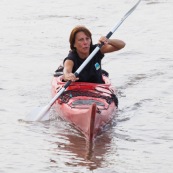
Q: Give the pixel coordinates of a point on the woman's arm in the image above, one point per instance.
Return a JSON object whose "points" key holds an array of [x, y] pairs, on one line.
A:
{"points": [[67, 72], [111, 45]]}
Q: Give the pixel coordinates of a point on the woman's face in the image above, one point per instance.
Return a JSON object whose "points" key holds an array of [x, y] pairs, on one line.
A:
{"points": [[82, 43]]}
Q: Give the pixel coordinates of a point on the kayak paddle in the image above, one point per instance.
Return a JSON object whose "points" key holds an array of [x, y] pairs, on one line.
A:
{"points": [[43, 113]]}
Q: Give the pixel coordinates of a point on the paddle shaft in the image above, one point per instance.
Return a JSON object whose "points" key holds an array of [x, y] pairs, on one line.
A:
{"points": [[46, 108], [107, 36]]}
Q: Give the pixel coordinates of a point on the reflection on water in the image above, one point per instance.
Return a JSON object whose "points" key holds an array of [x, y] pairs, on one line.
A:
{"points": [[76, 150]]}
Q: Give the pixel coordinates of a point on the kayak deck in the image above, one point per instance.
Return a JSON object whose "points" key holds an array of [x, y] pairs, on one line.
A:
{"points": [[87, 106]]}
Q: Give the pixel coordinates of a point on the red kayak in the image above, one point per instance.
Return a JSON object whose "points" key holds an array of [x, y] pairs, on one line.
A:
{"points": [[87, 106]]}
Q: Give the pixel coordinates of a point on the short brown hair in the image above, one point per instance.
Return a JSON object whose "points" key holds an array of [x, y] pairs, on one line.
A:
{"points": [[75, 31]]}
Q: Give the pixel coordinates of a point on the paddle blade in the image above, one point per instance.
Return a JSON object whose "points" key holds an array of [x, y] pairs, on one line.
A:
{"points": [[38, 114]]}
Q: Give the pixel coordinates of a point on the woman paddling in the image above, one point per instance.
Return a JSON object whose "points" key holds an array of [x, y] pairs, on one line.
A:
{"points": [[81, 46]]}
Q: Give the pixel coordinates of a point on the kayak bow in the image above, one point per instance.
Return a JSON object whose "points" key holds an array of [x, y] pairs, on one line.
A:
{"points": [[87, 106]]}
